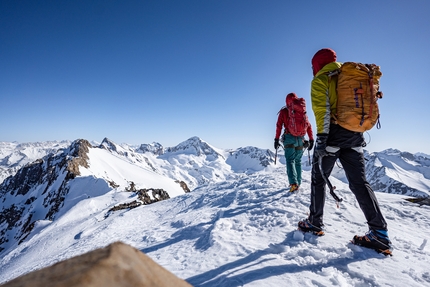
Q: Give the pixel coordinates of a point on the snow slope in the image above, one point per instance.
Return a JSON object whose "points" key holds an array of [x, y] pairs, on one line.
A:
{"points": [[240, 231]]}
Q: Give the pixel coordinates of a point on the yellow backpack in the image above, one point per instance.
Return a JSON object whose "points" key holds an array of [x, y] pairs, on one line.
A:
{"points": [[357, 96]]}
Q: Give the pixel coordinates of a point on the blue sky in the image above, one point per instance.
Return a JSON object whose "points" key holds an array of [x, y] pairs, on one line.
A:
{"points": [[144, 71]]}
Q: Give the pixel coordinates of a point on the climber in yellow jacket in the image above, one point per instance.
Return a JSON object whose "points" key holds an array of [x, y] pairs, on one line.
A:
{"points": [[335, 142]]}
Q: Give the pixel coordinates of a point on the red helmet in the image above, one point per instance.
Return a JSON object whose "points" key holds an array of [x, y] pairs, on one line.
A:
{"points": [[322, 58], [290, 98]]}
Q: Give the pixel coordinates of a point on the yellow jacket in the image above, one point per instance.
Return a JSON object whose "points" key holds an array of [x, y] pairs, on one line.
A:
{"points": [[324, 97]]}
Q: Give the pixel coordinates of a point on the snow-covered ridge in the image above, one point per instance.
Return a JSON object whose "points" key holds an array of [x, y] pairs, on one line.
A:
{"points": [[197, 162], [48, 186], [64, 204]]}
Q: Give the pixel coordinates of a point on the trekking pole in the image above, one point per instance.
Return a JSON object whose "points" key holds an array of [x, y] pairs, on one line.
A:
{"points": [[330, 186], [309, 157]]}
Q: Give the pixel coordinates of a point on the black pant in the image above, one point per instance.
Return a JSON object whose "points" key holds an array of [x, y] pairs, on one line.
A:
{"points": [[354, 166]]}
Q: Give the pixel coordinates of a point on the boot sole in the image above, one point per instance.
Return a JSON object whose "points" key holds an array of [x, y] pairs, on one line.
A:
{"points": [[317, 233], [386, 252]]}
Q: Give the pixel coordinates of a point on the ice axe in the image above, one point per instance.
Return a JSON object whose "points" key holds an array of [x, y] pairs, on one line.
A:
{"points": [[330, 186], [306, 146], [276, 152]]}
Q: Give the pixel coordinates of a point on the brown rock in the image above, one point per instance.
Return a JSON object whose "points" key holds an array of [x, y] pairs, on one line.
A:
{"points": [[117, 265]]}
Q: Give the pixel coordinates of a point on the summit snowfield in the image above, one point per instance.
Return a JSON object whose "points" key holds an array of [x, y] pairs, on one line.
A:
{"points": [[237, 226]]}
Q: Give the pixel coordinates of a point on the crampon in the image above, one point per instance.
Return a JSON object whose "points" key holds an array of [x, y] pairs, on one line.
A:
{"points": [[371, 240], [306, 226]]}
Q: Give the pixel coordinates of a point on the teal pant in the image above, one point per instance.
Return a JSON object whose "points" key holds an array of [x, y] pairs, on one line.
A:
{"points": [[293, 147]]}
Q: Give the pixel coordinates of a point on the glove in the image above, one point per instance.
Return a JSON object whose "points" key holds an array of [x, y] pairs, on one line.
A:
{"points": [[321, 145], [311, 144], [305, 144], [276, 145]]}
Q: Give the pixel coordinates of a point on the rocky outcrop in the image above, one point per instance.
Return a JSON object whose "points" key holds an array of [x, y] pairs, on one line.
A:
{"points": [[79, 157], [419, 200], [45, 180], [183, 185], [143, 196], [117, 265]]}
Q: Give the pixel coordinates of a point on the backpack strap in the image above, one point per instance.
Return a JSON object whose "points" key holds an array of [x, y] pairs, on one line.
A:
{"points": [[360, 92], [331, 74]]}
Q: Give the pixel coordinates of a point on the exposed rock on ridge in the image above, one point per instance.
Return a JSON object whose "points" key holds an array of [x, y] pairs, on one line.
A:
{"points": [[79, 153]]}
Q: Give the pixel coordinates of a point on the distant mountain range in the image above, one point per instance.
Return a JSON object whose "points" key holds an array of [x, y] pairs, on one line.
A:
{"points": [[41, 181], [393, 171]]}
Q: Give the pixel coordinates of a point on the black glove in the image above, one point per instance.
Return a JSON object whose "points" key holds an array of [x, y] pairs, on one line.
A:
{"points": [[276, 145], [321, 145], [311, 144], [305, 144]]}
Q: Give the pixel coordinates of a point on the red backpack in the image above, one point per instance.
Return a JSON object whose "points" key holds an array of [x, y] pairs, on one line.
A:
{"points": [[298, 122]]}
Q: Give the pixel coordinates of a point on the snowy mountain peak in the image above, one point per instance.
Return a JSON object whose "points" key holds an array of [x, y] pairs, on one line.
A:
{"points": [[111, 146], [154, 148], [122, 150], [391, 151], [195, 146]]}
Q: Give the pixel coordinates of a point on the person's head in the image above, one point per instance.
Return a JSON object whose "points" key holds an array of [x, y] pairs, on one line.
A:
{"points": [[322, 58], [290, 98]]}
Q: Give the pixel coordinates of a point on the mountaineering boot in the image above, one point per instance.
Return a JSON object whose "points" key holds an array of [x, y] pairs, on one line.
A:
{"points": [[306, 226], [294, 187], [375, 239]]}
